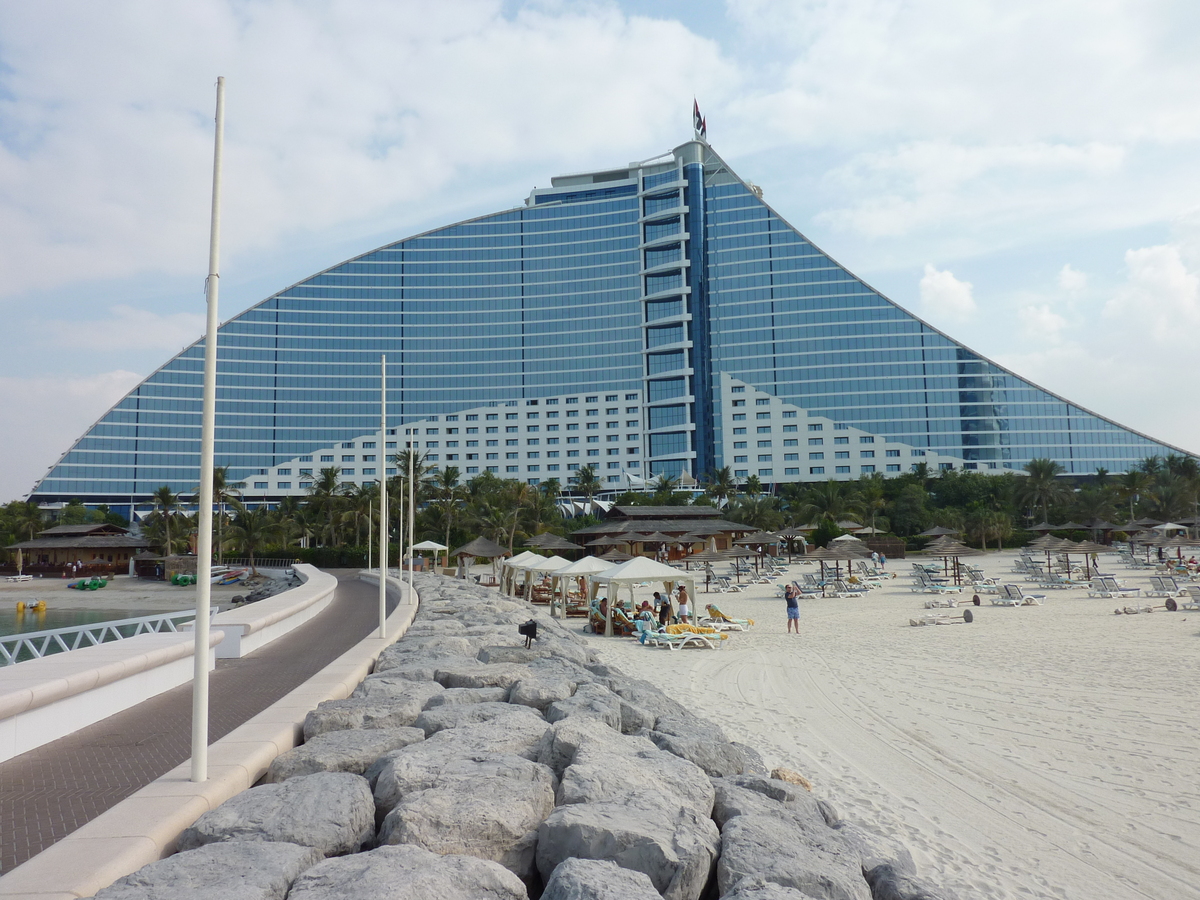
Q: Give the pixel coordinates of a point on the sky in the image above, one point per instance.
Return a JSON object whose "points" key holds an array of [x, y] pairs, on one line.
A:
{"points": [[1019, 174]]}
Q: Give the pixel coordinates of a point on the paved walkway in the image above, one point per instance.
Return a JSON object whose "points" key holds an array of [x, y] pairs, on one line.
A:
{"points": [[49, 792]]}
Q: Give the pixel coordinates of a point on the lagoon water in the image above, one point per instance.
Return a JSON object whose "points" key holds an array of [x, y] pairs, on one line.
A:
{"points": [[12, 622]]}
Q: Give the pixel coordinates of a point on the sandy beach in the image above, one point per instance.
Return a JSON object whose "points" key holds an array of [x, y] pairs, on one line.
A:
{"points": [[137, 595], [1039, 752]]}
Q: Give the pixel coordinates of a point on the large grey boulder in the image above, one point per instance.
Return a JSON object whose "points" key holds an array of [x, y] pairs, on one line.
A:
{"points": [[562, 741], [705, 744], [596, 777], [489, 808], [341, 751], [396, 689], [888, 884], [597, 879], [875, 850], [431, 721], [463, 696], [238, 870], [741, 795], [504, 675], [641, 693], [340, 715], [790, 852], [540, 691], [674, 846], [332, 812], [407, 872], [758, 889], [421, 666], [591, 700], [406, 773]]}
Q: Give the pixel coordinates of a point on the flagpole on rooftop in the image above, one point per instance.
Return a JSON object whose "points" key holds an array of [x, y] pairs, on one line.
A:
{"points": [[207, 439]]}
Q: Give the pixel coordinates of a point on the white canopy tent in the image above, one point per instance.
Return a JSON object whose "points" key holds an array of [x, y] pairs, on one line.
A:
{"points": [[582, 568], [512, 566], [636, 571], [547, 564], [433, 546]]}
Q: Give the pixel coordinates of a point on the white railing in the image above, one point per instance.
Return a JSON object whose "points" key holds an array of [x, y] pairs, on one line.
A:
{"points": [[36, 644]]}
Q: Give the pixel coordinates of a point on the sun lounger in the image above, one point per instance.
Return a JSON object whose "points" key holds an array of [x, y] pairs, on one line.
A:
{"points": [[725, 586], [1192, 593], [1014, 595], [1164, 586], [16, 578], [1108, 587], [923, 584], [718, 620], [847, 591]]}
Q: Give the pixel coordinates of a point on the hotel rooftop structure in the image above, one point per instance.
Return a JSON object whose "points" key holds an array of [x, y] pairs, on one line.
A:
{"points": [[658, 317]]}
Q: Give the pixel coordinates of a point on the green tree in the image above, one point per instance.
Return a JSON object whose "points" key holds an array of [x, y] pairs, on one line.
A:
{"points": [[1042, 486], [325, 500], [720, 484], [166, 504], [831, 501], [759, 511], [586, 481], [753, 486], [252, 530], [909, 511]]}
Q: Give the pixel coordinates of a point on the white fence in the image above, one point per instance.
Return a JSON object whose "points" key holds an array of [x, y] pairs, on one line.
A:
{"points": [[36, 644]]}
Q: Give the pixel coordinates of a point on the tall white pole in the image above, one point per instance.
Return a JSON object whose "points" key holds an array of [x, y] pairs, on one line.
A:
{"points": [[207, 437], [412, 514], [383, 510]]}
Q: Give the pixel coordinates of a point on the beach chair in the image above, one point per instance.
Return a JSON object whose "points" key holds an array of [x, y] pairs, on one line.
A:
{"points": [[1192, 593], [1014, 595], [718, 620], [1106, 586], [812, 584], [726, 586], [923, 584], [1164, 586], [848, 591]]}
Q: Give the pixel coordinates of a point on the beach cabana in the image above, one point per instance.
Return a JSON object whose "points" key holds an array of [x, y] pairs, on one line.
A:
{"points": [[544, 565], [481, 546], [433, 546], [581, 569], [636, 571], [512, 567]]}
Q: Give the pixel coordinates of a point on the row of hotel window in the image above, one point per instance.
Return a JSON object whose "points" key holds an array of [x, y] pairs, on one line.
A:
{"points": [[470, 470]]}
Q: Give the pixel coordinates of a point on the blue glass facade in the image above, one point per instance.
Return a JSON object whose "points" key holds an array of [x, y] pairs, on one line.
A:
{"points": [[667, 284]]}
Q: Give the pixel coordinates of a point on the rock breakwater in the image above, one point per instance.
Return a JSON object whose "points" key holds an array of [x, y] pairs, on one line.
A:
{"points": [[467, 766]]}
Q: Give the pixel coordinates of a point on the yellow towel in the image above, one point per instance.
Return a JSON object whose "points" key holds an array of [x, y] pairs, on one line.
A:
{"points": [[695, 629]]}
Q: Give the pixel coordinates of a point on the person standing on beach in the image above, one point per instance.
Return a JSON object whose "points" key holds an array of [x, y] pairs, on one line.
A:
{"points": [[792, 596], [664, 611], [684, 611], [882, 562]]}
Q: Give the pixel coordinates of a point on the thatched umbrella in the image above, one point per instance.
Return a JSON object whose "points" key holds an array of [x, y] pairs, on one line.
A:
{"points": [[706, 556], [937, 531], [481, 546], [949, 549], [835, 555], [614, 555]]}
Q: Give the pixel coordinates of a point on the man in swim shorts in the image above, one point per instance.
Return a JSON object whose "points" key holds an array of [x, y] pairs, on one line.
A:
{"points": [[792, 596]]}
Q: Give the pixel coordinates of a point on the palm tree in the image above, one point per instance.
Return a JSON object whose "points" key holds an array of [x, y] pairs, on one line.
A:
{"points": [[753, 486], [252, 530], [166, 502], [224, 490], [363, 506], [720, 484], [1132, 485], [448, 492], [27, 519], [760, 511], [1042, 486], [324, 496], [587, 482], [829, 502]]}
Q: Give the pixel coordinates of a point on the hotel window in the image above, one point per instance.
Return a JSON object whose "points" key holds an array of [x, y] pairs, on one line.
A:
{"points": [[344, 472], [816, 456], [348, 457], [572, 453], [431, 431], [913, 453], [451, 443], [614, 411], [429, 444], [866, 454], [306, 471], [762, 401], [593, 439], [842, 470], [816, 442], [305, 485], [764, 457], [740, 473], [841, 426], [764, 443], [552, 468], [306, 459], [472, 443], [552, 415], [867, 470], [789, 414], [452, 456], [492, 430], [491, 417], [451, 418], [262, 485], [472, 456], [551, 440], [740, 459], [614, 465], [368, 471], [533, 428], [816, 427], [287, 485], [348, 445], [789, 428], [613, 451], [510, 416], [593, 426], [738, 390], [511, 442], [893, 452], [534, 455], [326, 459], [472, 470], [764, 473], [790, 442], [739, 445], [492, 443], [552, 428], [791, 471], [612, 437], [531, 415], [791, 457], [492, 455], [893, 468], [866, 439], [370, 457], [841, 440], [512, 468], [739, 402], [493, 469], [593, 453], [764, 429], [473, 417], [511, 429], [572, 426], [739, 417], [553, 454], [451, 430], [739, 431], [512, 456], [842, 454], [572, 440]]}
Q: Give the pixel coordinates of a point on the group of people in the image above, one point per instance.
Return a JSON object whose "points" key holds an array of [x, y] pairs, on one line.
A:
{"points": [[663, 611]]}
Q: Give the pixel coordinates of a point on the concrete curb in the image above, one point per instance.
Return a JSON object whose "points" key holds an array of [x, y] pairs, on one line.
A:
{"points": [[143, 828]]}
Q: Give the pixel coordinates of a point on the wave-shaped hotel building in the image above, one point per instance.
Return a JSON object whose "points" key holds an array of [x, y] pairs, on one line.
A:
{"points": [[654, 318]]}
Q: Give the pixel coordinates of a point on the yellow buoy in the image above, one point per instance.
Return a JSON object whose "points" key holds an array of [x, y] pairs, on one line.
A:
{"points": [[20, 606]]}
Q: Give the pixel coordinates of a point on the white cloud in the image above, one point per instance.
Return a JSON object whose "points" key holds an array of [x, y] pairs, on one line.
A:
{"points": [[945, 297], [338, 115], [128, 328], [62, 408], [1041, 323], [1071, 280], [1161, 298]]}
